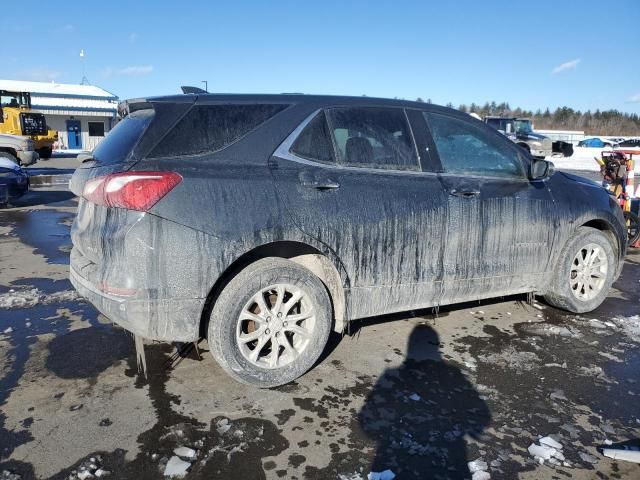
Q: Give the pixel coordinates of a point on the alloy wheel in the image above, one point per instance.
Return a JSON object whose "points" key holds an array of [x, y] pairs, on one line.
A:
{"points": [[588, 272], [275, 326]]}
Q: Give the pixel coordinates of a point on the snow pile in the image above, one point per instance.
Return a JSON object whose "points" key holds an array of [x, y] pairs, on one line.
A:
{"points": [[352, 476], [548, 450], [178, 465], [7, 475], [185, 452], [386, 475], [33, 296], [478, 469], [90, 468]]}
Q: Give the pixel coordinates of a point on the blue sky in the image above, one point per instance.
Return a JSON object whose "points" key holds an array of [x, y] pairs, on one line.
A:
{"points": [[532, 54]]}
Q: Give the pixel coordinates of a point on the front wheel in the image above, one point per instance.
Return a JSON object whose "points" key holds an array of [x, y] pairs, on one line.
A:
{"points": [[270, 323], [10, 157], [584, 272], [45, 152], [633, 227]]}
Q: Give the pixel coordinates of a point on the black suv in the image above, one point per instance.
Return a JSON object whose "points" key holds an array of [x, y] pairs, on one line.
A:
{"points": [[264, 222]]}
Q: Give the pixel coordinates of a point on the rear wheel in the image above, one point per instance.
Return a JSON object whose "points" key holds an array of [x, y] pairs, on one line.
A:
{"points": [[270, 324], [584, 272]]}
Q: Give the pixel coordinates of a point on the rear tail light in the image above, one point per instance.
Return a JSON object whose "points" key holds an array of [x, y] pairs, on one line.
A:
{"points": [[131, 190]]}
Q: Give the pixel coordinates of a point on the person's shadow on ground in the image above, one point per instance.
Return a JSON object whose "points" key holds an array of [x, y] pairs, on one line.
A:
{"points": [[419, 413]]}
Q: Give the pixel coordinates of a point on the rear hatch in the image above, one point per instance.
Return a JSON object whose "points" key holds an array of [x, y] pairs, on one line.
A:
{"points": [[97, 227]]}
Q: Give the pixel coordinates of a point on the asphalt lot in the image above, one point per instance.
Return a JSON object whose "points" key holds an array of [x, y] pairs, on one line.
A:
{"points": [[419, 394]]}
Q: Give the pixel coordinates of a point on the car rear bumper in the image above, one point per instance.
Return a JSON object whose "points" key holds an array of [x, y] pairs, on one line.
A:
{"points": [[542, 153], [165, 319]]}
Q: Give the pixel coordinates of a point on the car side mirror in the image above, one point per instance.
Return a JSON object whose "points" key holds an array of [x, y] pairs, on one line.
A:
{"points": [[541, 169]]}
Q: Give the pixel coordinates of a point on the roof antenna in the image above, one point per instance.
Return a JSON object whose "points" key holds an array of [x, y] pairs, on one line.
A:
{"points": [[84, 80]]}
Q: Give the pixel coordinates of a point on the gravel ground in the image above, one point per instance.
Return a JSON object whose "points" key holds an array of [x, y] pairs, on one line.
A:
{"points": [[419, 394]]}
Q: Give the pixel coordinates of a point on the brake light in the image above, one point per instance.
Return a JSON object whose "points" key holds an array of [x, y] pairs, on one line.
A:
{"points": [[131, 190]]}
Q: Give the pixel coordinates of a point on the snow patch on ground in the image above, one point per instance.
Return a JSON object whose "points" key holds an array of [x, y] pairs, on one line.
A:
{"points": [[511, 357], [629, 325], [33, 296], [584, 159], [552, 330]]}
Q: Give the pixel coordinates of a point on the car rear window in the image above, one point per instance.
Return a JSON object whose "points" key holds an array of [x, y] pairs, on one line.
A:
{"points": [[314, 142], [119, 142], [209, 128]]}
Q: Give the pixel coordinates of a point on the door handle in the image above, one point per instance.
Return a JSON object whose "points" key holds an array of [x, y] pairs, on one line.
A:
{"points": [[464, 193], [321, 184]]}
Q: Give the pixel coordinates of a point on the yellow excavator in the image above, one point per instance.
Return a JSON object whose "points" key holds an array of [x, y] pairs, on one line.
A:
{"points": [[17, 118]]}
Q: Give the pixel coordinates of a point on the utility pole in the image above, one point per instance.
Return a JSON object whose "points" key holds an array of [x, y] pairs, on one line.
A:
{"points": [[206, 85], [84, 80]]}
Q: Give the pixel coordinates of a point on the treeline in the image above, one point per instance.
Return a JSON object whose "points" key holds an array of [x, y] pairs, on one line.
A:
{"points": [[607, 122]]}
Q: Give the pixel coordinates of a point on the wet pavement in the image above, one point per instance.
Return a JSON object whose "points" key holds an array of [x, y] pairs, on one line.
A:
{"points": [[419, 394]]}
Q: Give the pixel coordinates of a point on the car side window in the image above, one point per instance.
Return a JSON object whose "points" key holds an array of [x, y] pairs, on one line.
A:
{"points": [[468, 150], [314, 142], [209, 128], [373, 137]]}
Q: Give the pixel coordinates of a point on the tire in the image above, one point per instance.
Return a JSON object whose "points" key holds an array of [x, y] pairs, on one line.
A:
{"points": [[563, 292], [45, 152], [9, 156], [241, 296], [633, 227]]}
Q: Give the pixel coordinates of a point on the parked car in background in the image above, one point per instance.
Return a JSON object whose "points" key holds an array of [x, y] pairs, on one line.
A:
{"points": [[519, 131], [17, 149], [14, 182], [596, 142], [630, 143], [264, 222]]}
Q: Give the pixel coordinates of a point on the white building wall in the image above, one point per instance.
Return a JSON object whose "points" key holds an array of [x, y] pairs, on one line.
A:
{"points": [[570, 136], [58, 122]]}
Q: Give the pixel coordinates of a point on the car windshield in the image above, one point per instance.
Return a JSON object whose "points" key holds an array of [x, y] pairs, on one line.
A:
{"points": [[13, 99], [523, 126], [500, 123]]}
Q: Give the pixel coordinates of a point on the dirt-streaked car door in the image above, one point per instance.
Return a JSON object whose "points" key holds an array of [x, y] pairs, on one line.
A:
{"points": [[356, 185], [503, 225]]}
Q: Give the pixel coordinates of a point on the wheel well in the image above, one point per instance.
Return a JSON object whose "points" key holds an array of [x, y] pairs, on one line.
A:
{"points": [[9, 150], [525, 146], [606, 229], [300, 253]]}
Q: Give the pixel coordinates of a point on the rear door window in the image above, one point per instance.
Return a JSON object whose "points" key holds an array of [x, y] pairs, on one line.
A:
{"points": [[209, 128], [467, 149], [314, 142], [373, 137], [120, 141]]}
